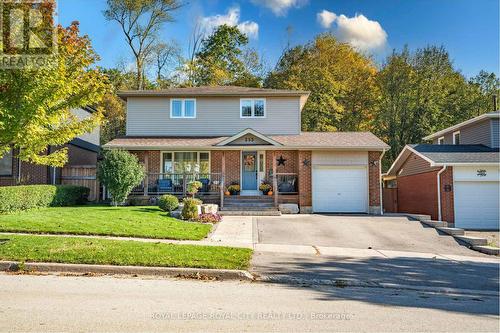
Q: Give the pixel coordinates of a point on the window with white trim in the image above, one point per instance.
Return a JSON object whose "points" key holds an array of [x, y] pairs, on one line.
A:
{"points": [[252, 108], [456, 138], [6, 164], [441, 140], [186, 162], [182, 108]]}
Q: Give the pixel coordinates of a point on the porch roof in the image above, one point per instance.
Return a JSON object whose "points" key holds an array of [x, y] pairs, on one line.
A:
{"points": [[304, 140]]}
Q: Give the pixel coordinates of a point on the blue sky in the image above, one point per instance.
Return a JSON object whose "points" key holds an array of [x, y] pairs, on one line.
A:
{"points": [[469, 29]]}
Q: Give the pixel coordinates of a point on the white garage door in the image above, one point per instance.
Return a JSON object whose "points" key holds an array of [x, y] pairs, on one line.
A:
{"points": [[340, 189], [476, 205]]}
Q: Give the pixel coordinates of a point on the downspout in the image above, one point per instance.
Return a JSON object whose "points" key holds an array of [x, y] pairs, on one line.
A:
{"points": [[380, 181], [19, 167], [439, 190]]}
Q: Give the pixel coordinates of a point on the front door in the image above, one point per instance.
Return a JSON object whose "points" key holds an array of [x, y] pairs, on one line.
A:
{"points": [[249, 172]]}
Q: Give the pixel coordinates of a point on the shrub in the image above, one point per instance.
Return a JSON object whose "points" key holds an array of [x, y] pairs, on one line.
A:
{"points": [[209, 218], [120, 172], [193, 187], [17, 198], [168, 203], [190, 209]]}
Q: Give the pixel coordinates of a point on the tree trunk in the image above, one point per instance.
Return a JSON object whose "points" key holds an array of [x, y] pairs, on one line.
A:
{"points": [[139, 74]]}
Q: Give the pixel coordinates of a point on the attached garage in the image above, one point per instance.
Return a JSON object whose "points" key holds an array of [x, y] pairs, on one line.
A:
{"points": [[340, 182], [458, 184], [476, 197]]}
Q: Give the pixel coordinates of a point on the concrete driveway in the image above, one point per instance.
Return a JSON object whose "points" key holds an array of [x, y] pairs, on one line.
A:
{"points": [[360, 232]]}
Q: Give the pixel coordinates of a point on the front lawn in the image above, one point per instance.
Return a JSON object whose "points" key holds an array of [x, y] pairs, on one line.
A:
{"points": [[115, 252], [147, 222]]}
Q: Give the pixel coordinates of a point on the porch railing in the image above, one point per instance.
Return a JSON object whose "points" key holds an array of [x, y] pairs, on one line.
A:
{"points": [[176, 183]]}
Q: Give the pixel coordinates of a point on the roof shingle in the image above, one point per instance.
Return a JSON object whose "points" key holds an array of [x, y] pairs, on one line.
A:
{"points": [[458, 153], [326, 140]]}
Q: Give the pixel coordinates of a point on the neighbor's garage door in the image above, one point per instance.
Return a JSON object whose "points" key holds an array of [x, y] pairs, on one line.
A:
{"points": [[476, 197], [476, 205], [340, 189]]}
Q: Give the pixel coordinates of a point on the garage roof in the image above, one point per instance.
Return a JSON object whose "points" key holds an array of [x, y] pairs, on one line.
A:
{"points": [[439, 155], [458, 153]]}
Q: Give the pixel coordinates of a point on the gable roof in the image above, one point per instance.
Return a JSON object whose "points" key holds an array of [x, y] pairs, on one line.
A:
{"points": [[246, 132], [490, 115], [440, 155], [212, 91], [304, 140]]}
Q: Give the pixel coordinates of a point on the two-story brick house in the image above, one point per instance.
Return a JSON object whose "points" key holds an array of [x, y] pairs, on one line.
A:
{"points": [[454, 179], [246, 136]]}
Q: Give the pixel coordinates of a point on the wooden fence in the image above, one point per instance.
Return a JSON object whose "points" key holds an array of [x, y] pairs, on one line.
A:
{"points": [[82, 175], [390, 200]]}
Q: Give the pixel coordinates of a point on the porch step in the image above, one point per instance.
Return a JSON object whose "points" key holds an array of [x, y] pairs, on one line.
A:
{"points": [[238, 198], [248, 212], [452, 231], [473, 241], [249, 204], [435, 224]]}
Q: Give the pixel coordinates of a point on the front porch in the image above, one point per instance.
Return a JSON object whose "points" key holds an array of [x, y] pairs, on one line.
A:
{"points": [[246, 168]]}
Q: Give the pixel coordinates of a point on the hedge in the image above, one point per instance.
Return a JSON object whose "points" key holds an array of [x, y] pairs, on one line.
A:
{"points": [[17, 198]]}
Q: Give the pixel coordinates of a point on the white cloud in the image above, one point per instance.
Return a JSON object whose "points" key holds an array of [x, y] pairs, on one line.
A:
{"points": [[280, 7], [232, 18], [326, 18], [359, 31]]}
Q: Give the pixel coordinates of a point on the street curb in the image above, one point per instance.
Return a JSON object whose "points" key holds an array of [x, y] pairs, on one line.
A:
{"points": [[197, 273], [340, 283]]}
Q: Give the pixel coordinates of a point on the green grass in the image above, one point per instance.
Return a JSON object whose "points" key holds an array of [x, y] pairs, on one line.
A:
{"points": [[147, 222], [115, 252]]}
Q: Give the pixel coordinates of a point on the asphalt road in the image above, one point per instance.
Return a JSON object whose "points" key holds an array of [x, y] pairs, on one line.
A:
{"points": [[104, 304]]}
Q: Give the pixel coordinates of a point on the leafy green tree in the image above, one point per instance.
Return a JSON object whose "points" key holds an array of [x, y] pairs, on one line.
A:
{"points": [[221, 60], [421, 93], [341, 80], [120, 172], [36, 102], [484, 86]]}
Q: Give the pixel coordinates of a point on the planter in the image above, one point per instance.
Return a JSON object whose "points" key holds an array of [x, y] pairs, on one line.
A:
{"points": [[266, 192], [234, 192]]}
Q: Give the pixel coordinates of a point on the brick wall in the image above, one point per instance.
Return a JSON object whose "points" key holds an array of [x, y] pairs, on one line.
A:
{"points": [[417, 194], [447, 208], [290, 164], [374, 181], [232, 158], [154, 159], [305, 181]]}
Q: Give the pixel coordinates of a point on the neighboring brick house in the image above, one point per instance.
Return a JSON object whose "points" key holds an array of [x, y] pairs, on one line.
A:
{"points": [[82, 151], [463, 163], [225, 135]]}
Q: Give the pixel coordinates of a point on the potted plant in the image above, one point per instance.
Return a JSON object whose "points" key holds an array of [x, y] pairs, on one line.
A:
{"points": [[265, 188], [234, 189]]}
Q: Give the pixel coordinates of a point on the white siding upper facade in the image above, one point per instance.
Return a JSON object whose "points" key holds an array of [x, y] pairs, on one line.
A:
{"points": [[215, 116]]}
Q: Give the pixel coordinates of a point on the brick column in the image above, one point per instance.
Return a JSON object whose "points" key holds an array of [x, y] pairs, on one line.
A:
{"points": [[305, 181], [374, 182], [447, 208]]}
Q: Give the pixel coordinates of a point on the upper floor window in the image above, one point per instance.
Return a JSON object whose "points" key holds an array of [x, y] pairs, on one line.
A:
{"points": [[182, 108], [441, 140], [6, 164], [253, 108], [456, 138]]}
